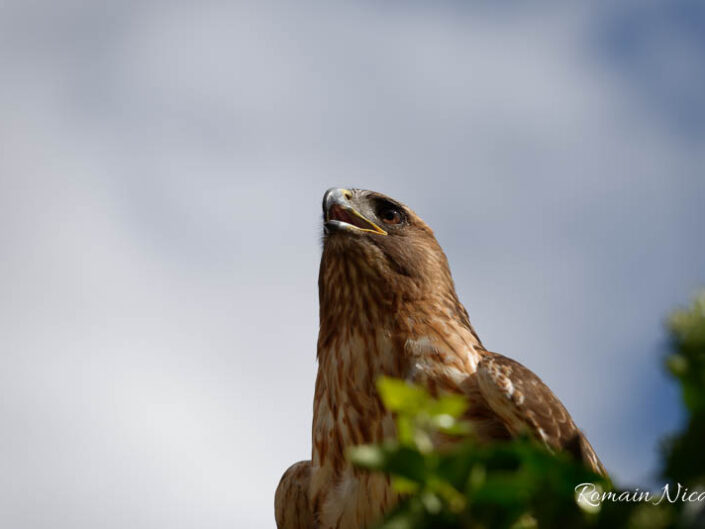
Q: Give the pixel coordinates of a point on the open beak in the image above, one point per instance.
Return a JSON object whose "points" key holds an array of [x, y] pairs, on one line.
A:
{"points": [[339, 214]]}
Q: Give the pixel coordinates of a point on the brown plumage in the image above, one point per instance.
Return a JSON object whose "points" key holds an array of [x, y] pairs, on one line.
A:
{"points": [[388, 307]]}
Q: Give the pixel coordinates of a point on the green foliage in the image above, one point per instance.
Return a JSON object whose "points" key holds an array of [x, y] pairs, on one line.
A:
{"points": [[685, 453], [448, 480]]}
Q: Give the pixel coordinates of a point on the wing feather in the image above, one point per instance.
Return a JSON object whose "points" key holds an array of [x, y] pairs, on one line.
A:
{"points": [[525, 404], [291, 505]]}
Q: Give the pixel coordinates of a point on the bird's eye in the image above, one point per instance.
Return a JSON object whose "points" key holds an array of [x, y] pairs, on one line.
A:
{"points": [[390, 215]]}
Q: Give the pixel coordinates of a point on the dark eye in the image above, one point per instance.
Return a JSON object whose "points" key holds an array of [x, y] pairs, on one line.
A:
{"points": [[389, 215]]}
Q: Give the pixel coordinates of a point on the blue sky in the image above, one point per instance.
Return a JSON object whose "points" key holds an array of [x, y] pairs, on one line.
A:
{"points": [[162, 170]]}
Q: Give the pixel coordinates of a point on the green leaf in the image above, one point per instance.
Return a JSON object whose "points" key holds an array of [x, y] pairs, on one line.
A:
{"points": [[402, 519], [451, 496], [406, 430], [400, 396], [451, 405], [404, 486], [407, 462], [452, 426]]}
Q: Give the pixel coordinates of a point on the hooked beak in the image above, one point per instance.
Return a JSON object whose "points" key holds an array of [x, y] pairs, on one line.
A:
{"points": [[339, 214]]}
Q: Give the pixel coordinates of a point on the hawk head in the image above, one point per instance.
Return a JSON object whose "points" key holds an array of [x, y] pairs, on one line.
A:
{"points": [[376, 250]]}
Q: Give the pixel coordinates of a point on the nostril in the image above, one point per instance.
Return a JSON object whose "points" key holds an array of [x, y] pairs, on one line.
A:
{"points": [[347, 194]]}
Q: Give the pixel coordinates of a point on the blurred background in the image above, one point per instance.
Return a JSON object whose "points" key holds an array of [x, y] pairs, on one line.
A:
{"points": [[161, 170]]}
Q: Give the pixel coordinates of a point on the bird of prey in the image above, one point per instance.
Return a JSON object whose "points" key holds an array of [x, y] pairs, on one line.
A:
{"points": [[388, 306]]}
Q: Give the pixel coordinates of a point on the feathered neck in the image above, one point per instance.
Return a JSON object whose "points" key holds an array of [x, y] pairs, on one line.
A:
{"points": [[359, 298]]}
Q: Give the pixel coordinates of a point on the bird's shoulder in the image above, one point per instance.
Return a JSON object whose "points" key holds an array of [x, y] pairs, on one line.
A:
{"points": [[527, 405], [522, 399]]}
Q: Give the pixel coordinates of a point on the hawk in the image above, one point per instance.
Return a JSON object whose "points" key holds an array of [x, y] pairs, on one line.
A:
{"points": [[388, 306]]}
